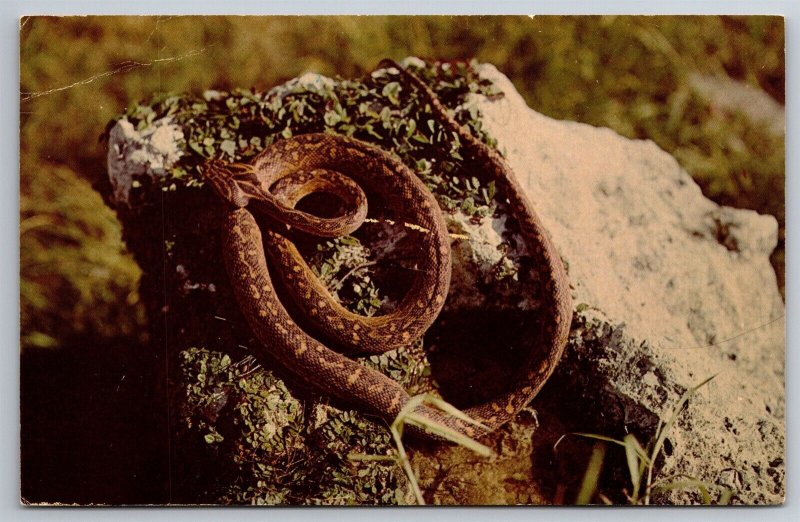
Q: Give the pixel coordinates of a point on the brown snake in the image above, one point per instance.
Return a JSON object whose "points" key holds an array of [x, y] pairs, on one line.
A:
{"points": [[287, 171]]}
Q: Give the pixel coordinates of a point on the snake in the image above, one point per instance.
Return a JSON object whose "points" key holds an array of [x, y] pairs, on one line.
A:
{"points": [[270, 186]]}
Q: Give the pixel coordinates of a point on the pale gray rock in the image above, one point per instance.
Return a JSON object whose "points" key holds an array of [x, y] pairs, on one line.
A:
{"points": [[670, 289], [140, 152]]}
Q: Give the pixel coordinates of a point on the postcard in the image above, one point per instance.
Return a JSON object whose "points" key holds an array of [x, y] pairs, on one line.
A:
{"points": [[402, 260]]}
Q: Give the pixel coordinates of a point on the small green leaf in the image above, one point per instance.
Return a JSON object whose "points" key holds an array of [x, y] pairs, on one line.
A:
{"points": [[391, 91], [228, 147], [332, 118], [420, 138]]}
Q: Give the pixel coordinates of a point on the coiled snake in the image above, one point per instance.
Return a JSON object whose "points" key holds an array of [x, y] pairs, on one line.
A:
{"points": [[287, 171]]}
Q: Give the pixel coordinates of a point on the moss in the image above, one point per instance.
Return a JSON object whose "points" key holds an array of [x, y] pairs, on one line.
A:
{"points": [[249, 417]]}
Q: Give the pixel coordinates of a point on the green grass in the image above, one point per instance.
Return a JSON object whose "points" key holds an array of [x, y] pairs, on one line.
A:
{"points": [[641, 464], [77, 283]]}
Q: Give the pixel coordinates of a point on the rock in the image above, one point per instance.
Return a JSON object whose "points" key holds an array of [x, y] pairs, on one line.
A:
{"points": [[134, 153], [669, 287]]}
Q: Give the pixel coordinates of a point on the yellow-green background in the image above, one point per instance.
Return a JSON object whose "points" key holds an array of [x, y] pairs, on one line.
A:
{"points": [[628, 73], [79, 287]]}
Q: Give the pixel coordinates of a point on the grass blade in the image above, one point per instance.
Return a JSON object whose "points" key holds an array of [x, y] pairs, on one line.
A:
{"points": [[592, 475], [634, 468], [448, 433], [674, 416], [448, 408], [664, 430], [407, 416], [406, 464], [600, 437], [639, 449]]}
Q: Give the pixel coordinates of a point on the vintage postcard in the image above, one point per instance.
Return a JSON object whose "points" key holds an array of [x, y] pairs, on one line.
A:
{"points": [[393, 260]]}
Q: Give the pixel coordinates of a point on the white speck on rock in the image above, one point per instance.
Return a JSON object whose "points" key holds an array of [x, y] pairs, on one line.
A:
{"points": [[650, 379], [413, 61], [306, 81], [314, 80], [212, 95]]}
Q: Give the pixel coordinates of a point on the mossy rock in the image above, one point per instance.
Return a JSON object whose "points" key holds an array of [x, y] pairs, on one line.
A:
{"points": [[244, 430]]}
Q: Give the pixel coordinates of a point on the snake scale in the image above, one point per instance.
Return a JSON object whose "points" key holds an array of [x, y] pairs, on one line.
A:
{"points": [[287, 171]]}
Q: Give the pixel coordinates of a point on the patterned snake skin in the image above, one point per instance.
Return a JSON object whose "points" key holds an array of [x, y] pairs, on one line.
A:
{"points": [[289, 170]]}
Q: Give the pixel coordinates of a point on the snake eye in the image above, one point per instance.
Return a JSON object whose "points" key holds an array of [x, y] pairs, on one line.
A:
{"points": [[210, 168], [231, 181]]}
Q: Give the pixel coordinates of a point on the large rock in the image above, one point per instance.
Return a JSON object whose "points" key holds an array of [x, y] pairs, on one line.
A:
{"points": [[669, 287]]}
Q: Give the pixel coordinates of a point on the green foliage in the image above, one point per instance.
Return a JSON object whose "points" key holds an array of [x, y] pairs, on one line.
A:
{"points": [[271, 417], [346, 482], [408, 366], [237, 125], [75, 279], [342, 264], [279, 454]]}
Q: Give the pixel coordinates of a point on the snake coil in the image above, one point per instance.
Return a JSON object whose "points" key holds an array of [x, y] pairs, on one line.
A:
{"points": [[287, 171]]}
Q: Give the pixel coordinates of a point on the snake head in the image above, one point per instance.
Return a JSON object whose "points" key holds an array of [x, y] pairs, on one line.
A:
{"points": [[236, 183]]}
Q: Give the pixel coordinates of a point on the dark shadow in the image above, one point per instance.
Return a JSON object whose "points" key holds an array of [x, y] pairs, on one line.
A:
{"points": [[479, 354], [93, 425]]}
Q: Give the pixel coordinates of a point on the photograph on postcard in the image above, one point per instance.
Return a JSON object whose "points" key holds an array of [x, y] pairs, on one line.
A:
{"points": [[393, 260]]}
